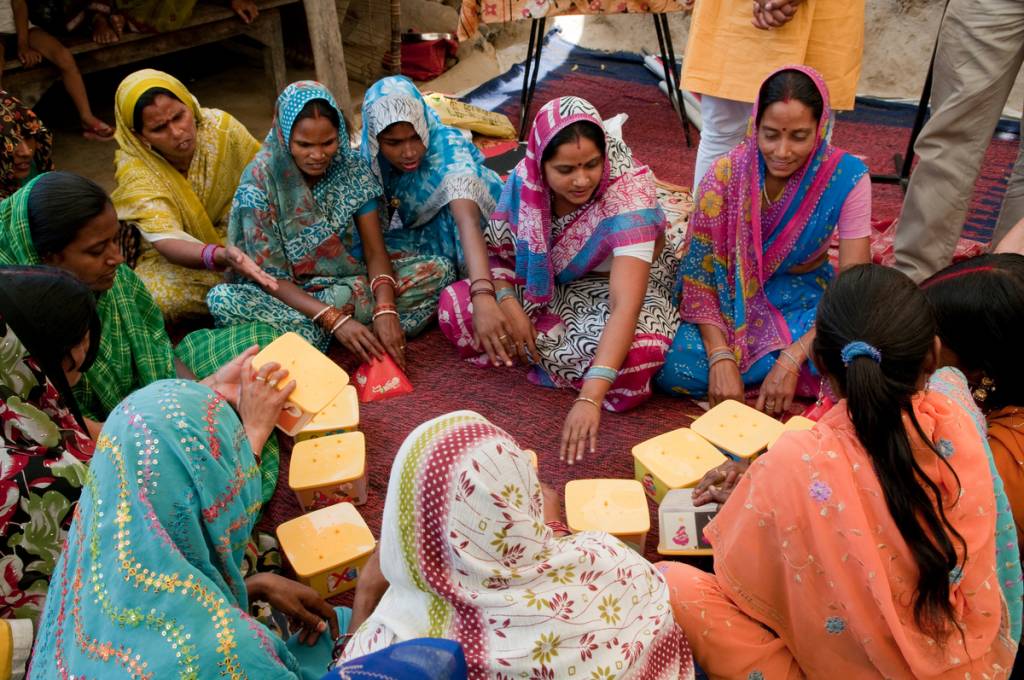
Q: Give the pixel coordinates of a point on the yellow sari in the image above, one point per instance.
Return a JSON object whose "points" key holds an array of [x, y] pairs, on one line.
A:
{"points": [[166, 204]]}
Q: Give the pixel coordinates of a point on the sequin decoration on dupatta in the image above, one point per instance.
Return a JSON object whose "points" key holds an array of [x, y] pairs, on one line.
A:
{"points": [[734, 249], [150, 582], [469, 558], [623, 210]]}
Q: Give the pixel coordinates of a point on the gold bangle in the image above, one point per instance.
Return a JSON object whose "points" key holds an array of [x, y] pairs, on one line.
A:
{"points": [[791, 358], [588, 400]]}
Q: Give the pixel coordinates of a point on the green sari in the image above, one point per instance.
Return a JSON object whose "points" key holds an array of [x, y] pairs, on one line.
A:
{"points": [[135, 349]]}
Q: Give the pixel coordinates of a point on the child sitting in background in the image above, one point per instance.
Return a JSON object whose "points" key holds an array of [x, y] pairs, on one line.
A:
{"points": [[34, 44]]}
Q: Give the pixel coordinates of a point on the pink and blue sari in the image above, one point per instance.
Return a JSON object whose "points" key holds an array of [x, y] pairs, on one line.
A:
{"points": [[553, 261], [758, 276]]}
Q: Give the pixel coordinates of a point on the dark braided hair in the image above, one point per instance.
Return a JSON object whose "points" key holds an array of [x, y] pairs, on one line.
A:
{"points": [[882, 307]]}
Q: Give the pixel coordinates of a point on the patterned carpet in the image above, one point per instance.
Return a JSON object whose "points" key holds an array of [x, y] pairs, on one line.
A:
{"points": [[533, 415]]}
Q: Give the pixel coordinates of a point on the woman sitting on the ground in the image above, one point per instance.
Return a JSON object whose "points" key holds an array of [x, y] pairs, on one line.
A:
{"points": [[866, 547], [979, 305], [296, 213], [150, 582], [68, 221], [44, 439], [572, 244], [438, 194], [473, 550], [27, 145], [757, 261], [177, 168]]}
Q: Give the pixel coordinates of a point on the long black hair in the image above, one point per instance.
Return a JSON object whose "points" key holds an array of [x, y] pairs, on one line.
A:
{"points": [[882, 307], [979, 306], [59, 203], [571, 133], [786, 85], [50, 311]]}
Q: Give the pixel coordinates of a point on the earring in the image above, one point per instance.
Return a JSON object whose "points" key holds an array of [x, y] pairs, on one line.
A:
{"points": [[986, 387]]}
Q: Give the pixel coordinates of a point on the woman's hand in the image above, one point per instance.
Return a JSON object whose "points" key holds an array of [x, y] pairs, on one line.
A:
{"points": [[492, 330], [246, 10], [389, 331], [29, 56], [717, 484], [523, 335], [369, 590], [261, 400], [307, 612], [778, 389], [227, 381], [359, 340], [579, 431], [725, 382], [233, 258]]}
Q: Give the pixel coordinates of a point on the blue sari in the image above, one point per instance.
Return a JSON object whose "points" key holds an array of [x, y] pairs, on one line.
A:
{"points": [[738, 272], [419, 219]]}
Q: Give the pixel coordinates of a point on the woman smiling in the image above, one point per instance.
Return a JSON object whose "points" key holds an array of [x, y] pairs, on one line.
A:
{"points": [[757, 261]]}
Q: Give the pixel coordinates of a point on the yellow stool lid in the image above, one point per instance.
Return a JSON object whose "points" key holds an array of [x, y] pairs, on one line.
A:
{"points": [[341, 414], [617, 506], [678, 458], [325, 539], [317, 378], [327, 460], [794, 424], [737, 428]]}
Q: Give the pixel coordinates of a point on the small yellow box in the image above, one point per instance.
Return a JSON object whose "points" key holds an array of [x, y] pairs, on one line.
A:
{"points": [[794, 424], [617, 506], [328, 470], [317, 379], [673, 460], [327, 548], [737, 429], [341, 415]]}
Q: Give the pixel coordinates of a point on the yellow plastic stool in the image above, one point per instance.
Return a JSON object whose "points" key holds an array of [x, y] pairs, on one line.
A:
{"points": [[737, 429], [328, 470], [327, 548], [341, 415], [317, 379], [673, 460], [617, 506]]}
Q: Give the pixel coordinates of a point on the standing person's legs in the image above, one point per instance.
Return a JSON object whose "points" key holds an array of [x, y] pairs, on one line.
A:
{"points": [[724, 124], [981, 46]]}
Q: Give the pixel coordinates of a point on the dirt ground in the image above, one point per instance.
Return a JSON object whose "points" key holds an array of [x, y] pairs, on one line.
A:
{"points": [[899, 36]]}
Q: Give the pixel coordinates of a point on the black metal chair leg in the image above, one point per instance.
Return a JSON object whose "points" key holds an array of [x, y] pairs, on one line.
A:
{"points": [[525, 116], [531, 46], [675, 84]]}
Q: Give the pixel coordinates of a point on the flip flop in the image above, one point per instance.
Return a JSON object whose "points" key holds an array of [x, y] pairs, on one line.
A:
{"points": [[98, 133]]}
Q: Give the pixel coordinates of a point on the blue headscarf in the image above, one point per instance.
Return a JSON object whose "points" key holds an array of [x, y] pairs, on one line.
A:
{"points": [[453, 168], [278, 220], [150, 582]]}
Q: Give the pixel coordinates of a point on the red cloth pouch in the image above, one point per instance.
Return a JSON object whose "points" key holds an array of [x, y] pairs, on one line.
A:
{"points": [[380, 379]]}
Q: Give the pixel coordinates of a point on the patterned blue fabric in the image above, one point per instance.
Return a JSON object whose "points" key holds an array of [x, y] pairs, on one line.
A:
{"points": [[952, 383], [452, 168]]}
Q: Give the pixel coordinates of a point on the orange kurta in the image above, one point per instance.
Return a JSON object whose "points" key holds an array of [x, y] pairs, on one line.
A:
{"points": [[727, 57], [1006, 437], [812, 577]]}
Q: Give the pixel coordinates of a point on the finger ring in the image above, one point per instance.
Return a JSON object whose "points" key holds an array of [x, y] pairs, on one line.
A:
{"points": [[503, 337], [260, 378], [272, 382]]}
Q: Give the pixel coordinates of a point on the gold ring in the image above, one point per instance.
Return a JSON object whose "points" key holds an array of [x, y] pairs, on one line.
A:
{"points": [[260, 378], [503, 337], [272, 382]]}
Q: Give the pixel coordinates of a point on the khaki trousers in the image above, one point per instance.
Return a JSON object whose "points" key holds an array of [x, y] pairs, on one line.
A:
{"points": [[980, 50]]}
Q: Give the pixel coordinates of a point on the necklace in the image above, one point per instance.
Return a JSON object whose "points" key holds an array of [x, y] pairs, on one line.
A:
{"points": [[764, 193]]}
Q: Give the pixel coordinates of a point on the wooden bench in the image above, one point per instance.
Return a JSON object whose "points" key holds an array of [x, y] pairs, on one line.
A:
{"points": [[209, 24]]}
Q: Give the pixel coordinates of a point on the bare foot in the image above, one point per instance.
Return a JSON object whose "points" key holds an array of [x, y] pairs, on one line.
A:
{"points": [[103, 32], [95, 129]]}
